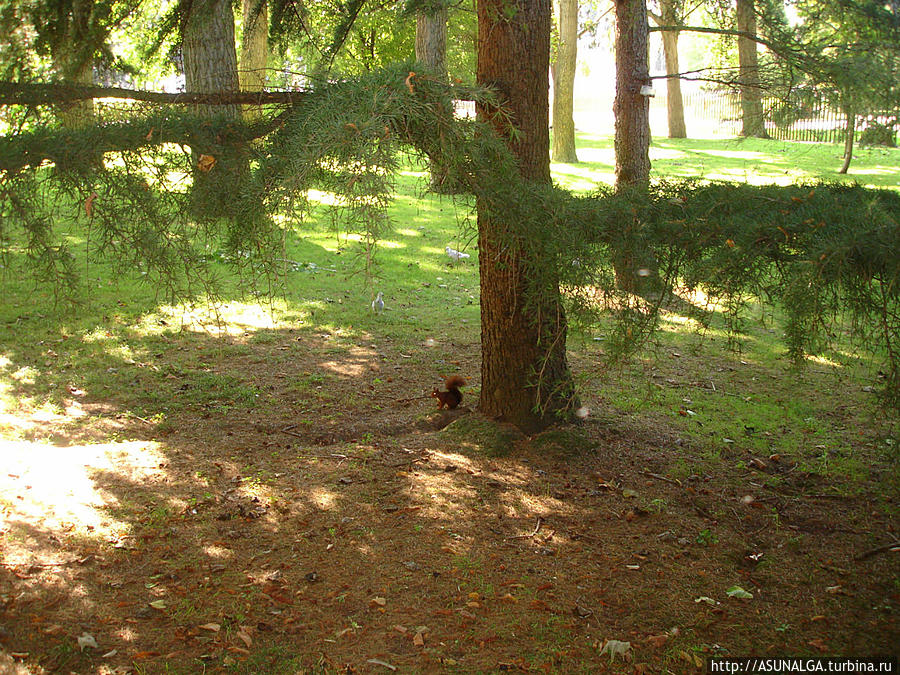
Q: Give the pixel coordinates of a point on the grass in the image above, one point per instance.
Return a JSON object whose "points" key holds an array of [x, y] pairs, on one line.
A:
{"points": [[246, 449]]}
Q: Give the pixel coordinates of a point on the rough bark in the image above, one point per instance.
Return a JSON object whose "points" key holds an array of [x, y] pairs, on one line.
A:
{"points": [[631, 109], [254, 50], [210, 65], [431, 39], [564, 84], [525, 375], [74, 64], [752, 116], [636, 271], [210, 59]]}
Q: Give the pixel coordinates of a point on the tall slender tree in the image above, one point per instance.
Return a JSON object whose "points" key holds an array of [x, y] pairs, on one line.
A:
{"points": [[752, 116], [525, 375], [563, 70], [431, 37], [631, 106], [670, 14]]}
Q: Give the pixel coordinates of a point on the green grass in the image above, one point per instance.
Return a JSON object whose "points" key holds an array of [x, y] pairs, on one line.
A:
{"points": [[750, 160], [112, 345]]}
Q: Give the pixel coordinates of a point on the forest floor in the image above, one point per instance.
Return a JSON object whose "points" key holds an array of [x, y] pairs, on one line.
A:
{"points": [[346, 529], [284, 497]]}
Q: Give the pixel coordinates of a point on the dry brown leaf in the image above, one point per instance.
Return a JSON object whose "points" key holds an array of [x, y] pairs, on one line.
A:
{"points": [[205, 163], [419, 639]]}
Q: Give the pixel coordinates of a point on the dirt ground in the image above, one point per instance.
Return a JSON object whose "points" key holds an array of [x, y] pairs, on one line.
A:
{"points": [[345, 528]]}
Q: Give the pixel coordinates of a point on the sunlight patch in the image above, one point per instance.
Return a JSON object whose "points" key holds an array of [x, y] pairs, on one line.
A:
{"points": [[71, 488]]}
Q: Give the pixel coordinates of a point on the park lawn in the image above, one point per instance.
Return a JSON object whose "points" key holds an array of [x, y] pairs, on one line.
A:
{"points": [[268, 487]]}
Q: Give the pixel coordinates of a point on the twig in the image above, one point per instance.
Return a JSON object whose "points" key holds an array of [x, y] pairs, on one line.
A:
{"points": [[673, 481], [876, 551], [407, 400], [287, 430], [537, 528]]}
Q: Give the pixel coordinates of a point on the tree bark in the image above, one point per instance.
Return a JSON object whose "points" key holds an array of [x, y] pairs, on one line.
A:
{"points": [[525, 376], [631, 109], [210, 59], [753, 119], [73, 63], [431, 40], [848, 140], [564, 84], [210, 65], [254, 51], [669, 16]]}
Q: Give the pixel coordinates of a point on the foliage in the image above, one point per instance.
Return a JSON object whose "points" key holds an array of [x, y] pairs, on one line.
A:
{"points": [[824, 252]]}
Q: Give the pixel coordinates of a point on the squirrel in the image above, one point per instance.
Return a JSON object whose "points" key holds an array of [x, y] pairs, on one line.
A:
{"points": [[452, 397]]}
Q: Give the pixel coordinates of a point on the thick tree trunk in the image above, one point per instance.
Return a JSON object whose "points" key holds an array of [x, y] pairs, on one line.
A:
{"points": [[210, 60], [73, 64], [254, 51], [431, 40], [674, 101], [631, 108], [564, 84], [210, 66], [753, 119], [525, 375], [848, 140]]}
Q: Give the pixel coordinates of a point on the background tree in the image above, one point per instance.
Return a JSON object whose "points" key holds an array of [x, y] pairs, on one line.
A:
{"points": [[525, 377], [254, 48], [563, 69], [631, 108], [431, 36], [671, 13], [752, 114]]}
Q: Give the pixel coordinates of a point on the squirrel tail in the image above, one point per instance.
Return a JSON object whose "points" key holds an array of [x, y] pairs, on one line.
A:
{"points": [[454, 382]]}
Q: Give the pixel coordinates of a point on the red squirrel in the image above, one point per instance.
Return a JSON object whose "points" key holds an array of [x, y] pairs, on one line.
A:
{"points": [[452, 397]]}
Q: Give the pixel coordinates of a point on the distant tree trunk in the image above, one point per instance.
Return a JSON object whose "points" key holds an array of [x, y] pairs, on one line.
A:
{"points": [[431, 49], [848, 139], [73, 63], [564, 84], [669, 15], [631, 109], [210, 66], [636, 271], [525, 375], [210, 59], [753, 119], [254, 50], [431, 39]]}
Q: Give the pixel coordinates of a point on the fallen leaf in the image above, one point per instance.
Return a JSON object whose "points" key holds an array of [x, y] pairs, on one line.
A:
{"points": [[738, 592], [658, 640], [379, 662], [244, 637], [419, 639], [205, 163], [158, 604], [819, 644], [214, 627]]}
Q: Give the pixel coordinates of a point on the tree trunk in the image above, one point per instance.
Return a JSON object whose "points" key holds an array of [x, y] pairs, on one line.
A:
{"points": [[636, 272], [431, 49], [73, 64], [254, 51], [564, 84], [210, 66], [525, 375], [631, 108], [674, 101], [210, 60], [431, 40], [753, 119], [848, 140]]}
